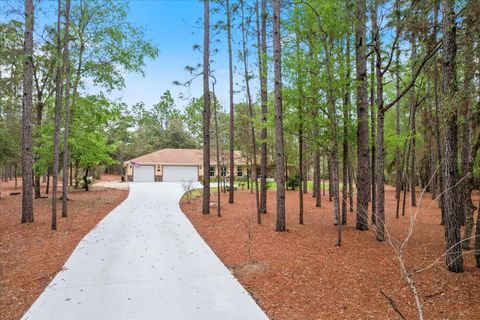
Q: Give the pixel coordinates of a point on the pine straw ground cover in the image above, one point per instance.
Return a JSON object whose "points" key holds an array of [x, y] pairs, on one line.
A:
{"points": [[301, 274], [31, 255]]}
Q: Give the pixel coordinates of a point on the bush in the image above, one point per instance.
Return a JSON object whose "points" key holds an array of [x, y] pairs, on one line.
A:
{"points": [[269, 184], [80, 183], [293, 182]]}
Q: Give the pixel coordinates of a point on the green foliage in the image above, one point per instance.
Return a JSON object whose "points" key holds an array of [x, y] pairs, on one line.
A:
{"points": [[106, 44], [293, 182]]}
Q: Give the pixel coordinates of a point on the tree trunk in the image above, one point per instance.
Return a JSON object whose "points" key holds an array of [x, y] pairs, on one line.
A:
{"points": [[47, 187], [27, 156], [438, 136], [468, 151], [85, 179], [217, 151], [250, 111], [454, 258], [322, 171], [300, 171], [330, 178], [318, 174], [373, 190], [398, 178], [362, 116], [413, 111], [57, 121], [263, 67], [299, 85], [71, 174], [315, 173], [39, 109], [346, 121], [305, 168], [231, 191], [15, 175], [66, 130], [333, 158], [206, 109], [279, 142], [380, 165], [350, 184]]}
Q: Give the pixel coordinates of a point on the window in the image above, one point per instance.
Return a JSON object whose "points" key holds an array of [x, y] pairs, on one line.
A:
{"points": [[223, 171], [239, 171], [212, 171]]}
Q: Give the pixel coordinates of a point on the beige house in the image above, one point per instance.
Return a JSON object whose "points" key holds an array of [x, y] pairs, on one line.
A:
{"points": [[179, 165]]}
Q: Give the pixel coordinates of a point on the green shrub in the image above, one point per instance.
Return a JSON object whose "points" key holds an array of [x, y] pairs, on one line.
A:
{"points": [[293, 182]]}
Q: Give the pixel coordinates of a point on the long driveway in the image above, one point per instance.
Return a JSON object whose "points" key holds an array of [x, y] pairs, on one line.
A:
{"points": [[145, 260]]}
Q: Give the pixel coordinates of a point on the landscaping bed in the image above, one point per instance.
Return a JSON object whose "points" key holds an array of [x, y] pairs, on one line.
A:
{"points": [[302, 274]]}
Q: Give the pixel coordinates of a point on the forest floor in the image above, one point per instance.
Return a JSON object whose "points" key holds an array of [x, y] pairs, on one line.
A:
{"points": [[302, 274], [31, 254]]}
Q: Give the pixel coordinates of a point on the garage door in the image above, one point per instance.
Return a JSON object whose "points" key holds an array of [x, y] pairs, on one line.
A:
{"points": [[180, 173], [144, 174]]}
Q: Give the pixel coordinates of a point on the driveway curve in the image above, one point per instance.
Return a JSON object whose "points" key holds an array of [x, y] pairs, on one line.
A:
{"points": [[145, 260]]}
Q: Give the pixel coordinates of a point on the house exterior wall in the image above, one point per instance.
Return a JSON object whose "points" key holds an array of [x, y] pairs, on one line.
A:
{"points": [[159, 170]]}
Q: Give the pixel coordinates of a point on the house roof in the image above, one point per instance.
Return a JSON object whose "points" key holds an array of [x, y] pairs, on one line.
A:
{"points": [[183, 156]]}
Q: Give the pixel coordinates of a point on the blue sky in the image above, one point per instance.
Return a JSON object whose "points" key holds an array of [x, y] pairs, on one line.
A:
{"points": [[174, 26]]}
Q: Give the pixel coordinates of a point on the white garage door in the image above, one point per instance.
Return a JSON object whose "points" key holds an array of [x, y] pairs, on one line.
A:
{"points": [[180, 173], [144, 174]]}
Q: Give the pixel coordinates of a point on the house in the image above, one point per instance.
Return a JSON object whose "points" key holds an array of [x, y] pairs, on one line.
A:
{"points": [[179, 165]]}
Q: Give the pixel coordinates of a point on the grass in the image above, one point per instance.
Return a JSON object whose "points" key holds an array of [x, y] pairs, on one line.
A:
{"points": [[273, 185], [197, 193]]}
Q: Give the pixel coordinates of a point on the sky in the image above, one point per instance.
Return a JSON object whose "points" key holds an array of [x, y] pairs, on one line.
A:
{"points": [[174, 26]]}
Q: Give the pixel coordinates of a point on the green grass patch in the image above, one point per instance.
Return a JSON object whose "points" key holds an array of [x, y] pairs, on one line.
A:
{"points": [[196, 194]]}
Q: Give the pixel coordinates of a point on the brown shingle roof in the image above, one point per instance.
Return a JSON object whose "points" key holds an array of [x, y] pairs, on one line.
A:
{"points": [[182, 156]]}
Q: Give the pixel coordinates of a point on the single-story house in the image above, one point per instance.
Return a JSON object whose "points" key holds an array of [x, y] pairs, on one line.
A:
{"points": [[179, 165]]}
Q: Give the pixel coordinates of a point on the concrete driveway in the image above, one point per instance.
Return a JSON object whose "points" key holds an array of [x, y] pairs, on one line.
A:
{"points": [[145, 261]]}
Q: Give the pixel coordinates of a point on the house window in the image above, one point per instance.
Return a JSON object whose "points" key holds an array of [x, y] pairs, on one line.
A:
{"points": [[223, 171], [239, 171], [212, 171]]}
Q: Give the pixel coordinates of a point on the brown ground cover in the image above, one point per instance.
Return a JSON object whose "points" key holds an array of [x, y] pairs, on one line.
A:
{"points": [[301, 274], [30, 254]]}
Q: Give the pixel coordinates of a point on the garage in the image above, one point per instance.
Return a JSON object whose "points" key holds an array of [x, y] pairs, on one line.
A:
{"points": [[144, 174], [180, 173]]}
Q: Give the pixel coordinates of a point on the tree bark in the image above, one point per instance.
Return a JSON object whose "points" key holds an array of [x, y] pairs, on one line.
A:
{"points": [[438, 136], [57, 121], [217, 147], [318, 175], [350, 183], [380, 165], [231, 191], [263, 67], [250, 112], [362, 116], [27, 156], [413, 111], [469, 151], [398, 179], [454, 258], [373, 190], [346, 121], [206, 109], [66, 131], [279, 141], [85, 179], [47, 187]]}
